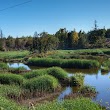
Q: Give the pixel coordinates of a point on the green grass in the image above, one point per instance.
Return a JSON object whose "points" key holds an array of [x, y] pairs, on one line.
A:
{"points": [[105, 69], [64, 63], [35, 73], [79, 54], [6, 104], [57, 72], [3, 66], [75, 104], [105, 66], [106, 63], [10, 91], [13, 54], [8, 78], [85, 51], [42, 83], [88, 89], [77, 80]]}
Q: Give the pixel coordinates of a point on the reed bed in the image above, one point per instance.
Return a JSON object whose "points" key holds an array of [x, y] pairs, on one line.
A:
{"points": [[64, 63]]}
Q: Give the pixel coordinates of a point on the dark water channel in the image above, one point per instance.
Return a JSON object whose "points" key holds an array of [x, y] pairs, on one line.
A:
{"points": [[101, 81]]}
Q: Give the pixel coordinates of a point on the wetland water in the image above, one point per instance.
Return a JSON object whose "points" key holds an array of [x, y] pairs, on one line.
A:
{"points": [[101, 81]]}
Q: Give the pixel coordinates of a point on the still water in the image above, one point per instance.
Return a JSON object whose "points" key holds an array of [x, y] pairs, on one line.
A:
{"points": [[101, 81], [17, 65]]}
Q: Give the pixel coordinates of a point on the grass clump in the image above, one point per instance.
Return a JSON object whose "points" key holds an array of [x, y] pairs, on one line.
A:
{"points": [[58, 73], [10, 91], [76, 104], [105, 66], [88, 89], [64, 63], [6, 104], [105, 69], [35, 73], [9, 78], [77, 80], [42, 83], [4, 66]]}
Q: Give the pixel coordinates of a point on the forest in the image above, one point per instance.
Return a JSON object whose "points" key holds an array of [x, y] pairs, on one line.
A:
{"points": [[62, 39]]}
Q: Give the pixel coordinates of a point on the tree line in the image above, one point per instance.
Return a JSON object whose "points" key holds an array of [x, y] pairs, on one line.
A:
{"points": [[62, 39]]}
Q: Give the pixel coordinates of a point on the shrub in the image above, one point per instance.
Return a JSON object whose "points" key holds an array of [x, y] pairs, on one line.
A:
{"points": [[11, 79], [42, 83]]}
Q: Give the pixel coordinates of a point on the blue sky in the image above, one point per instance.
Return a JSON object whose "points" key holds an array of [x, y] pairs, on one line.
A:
{"points": [[50, 15]]}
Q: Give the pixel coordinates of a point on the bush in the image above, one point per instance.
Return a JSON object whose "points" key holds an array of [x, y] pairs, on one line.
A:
{"points": [[42, 83], [11, 79], [77, 80]]}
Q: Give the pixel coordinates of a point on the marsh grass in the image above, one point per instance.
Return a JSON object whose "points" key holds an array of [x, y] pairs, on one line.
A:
{"points": [[88, 90], [9, 78], [64, 63], [75, 104], [10, 91], [57, 72], [3, 66], [35, 73], [105, 66], [42, 83], [13, 54], [7, 104], [77, 80]]}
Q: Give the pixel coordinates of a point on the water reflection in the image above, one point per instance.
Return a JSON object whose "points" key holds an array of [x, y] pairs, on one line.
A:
{"points": [[93, 77], [16, 65], [64, 93], [101, 81]]}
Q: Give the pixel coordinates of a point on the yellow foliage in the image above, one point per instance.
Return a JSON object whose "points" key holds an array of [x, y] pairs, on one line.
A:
{"points": [[75, 37]]}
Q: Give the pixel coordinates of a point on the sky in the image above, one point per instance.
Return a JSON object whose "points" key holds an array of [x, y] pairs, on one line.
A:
{"points": [[51, 15]]}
